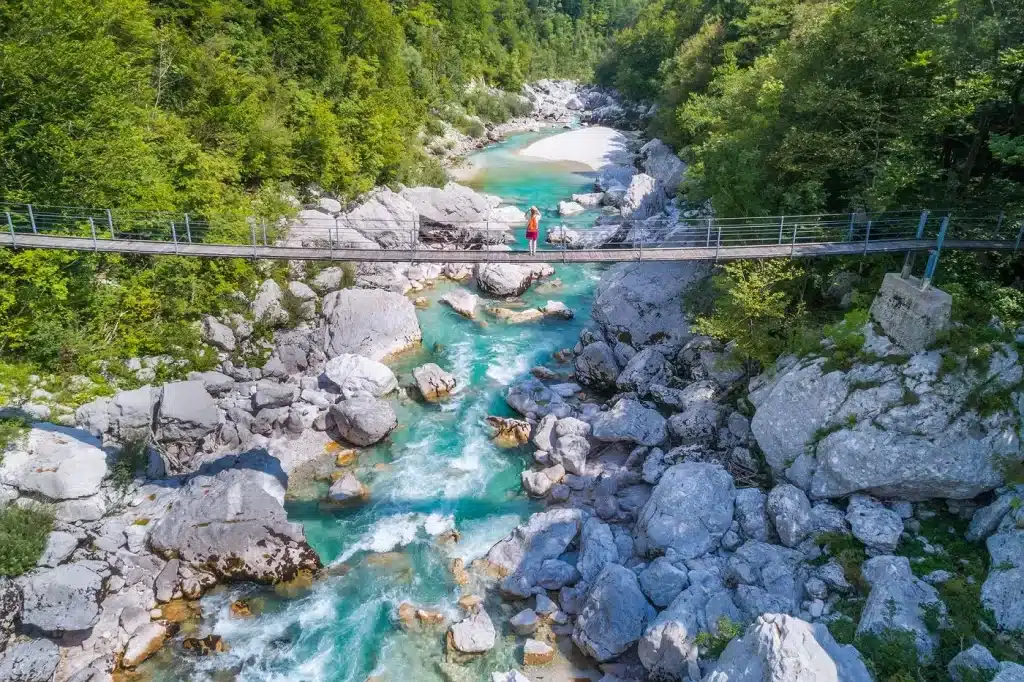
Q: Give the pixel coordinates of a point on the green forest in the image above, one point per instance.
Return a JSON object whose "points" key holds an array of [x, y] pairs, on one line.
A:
{"points": [[224, 106], [221, 107]]}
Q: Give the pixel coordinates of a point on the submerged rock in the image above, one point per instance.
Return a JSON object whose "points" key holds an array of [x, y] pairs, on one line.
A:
{"points": [[348, 489], [462, 301], [509, 433]]}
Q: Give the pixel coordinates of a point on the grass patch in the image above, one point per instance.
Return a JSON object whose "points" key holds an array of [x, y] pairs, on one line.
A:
{"points": [[23, 532]]}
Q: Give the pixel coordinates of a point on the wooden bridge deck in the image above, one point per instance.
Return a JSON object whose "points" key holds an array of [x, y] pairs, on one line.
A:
{"points": [[556, 255]]}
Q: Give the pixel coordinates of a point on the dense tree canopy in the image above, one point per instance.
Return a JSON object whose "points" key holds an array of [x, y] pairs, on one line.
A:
{"points": [[832, 105], [220, 108]]}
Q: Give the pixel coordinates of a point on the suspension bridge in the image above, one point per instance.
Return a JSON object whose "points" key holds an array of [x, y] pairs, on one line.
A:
{"points": [[425, 240]]}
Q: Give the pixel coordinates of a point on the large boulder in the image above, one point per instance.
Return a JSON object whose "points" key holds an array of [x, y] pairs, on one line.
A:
{"points": [[229, 519], [660, 162], [1005, 583], [545, 536], [790, 511], [457, 215], [462, 301], [668, 648], [385, 217], [873, 524], [217, 334], [614, 616], [357, 375], [596, 366], [630, 421], [363, 420], [688, 512], [642, 303], [474, 634], [892, 430], [61, 599], [433, 382], [662, 581], [369, 322], [781, 648], [56, 462], [31, 661], [644, 198], [502, 280], [597, 549], [899, 601], [645, 368], [267, 306], [187, 412]]}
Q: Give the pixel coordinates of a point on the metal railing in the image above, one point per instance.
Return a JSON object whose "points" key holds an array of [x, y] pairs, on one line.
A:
{"points": [[90, 226]]}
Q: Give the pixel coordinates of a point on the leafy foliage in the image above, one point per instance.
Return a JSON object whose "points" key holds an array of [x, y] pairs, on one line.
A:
{"points": [[23, 533]]}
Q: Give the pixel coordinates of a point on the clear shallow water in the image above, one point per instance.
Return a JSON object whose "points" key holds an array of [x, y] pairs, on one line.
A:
{"points": [[438, 471]]}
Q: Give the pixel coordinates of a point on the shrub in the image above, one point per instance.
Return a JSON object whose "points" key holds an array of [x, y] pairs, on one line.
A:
{"points": [[11, 429], [23, 532], [133, 458], [713, 644]]}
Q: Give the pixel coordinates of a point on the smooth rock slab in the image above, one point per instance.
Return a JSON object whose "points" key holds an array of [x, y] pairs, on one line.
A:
{"points": [[56, 462], [462, 301], [62, 599], [59, 546], [614, 616], [143, 644]]}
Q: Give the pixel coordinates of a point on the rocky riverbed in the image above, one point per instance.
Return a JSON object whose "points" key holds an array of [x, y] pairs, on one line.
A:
{"points": [[684, 521]]}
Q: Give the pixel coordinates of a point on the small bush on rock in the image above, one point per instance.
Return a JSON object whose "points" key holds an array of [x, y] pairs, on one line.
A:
{"points": [[23, 532]]}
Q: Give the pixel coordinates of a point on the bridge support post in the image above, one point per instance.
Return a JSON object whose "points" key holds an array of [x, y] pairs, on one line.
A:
{"points": [[10, 226], [782, 223], [92, 228], [933, 259], [792, 246], [174, 235], [908, 261], [910, 315], [32, 219], [1020, 233], [867, 238], [849, 231], [718, 242], [110, 224], [188, 229], [252, 232]]}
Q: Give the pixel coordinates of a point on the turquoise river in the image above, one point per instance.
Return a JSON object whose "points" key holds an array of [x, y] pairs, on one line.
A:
{"points": [[439, 471]]}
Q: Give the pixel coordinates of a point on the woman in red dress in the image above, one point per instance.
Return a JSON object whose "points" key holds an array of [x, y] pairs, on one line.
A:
{"points": [[533, 229]]}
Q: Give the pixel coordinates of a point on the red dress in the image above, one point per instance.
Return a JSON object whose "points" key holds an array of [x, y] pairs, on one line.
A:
{"points": [[532, 230]]}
